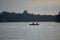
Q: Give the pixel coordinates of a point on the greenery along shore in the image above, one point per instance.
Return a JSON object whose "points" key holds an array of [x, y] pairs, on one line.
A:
{"points": [[27, 17]]}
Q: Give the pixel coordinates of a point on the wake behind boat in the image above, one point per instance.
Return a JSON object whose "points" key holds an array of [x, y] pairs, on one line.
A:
{"points": [[34, 24]]}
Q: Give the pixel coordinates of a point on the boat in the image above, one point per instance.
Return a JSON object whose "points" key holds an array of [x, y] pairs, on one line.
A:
{"points": [[34, 24]]}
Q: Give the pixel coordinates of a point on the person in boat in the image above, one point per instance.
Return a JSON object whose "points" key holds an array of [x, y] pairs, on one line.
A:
{"points": [[36, 23], [33, 23]]}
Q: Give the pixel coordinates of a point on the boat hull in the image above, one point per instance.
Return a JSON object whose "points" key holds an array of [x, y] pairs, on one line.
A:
{"points": [[33, 24]]}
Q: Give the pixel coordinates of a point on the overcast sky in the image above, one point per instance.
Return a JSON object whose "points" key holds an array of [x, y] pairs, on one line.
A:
{"points": [[50, 7]]}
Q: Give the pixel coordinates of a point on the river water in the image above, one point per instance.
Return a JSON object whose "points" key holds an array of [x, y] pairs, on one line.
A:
{"points": [[24, 31]]}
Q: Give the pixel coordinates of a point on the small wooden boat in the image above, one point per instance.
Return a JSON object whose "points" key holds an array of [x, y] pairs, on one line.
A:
{"points": [[34, 24]]}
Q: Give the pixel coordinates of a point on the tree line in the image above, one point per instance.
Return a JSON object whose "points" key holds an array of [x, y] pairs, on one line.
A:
{"points": [[26, 17]]}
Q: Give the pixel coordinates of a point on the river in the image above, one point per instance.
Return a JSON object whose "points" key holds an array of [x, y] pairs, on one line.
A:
{"points": [[24, 31]]}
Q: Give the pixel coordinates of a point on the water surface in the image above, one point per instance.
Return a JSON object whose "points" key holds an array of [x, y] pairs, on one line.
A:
{"points": [[24, 31]]}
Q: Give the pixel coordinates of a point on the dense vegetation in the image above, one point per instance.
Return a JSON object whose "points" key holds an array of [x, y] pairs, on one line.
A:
{"points": [[26, 17]]}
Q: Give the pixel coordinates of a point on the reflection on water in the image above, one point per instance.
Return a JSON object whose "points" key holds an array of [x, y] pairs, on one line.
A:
{"points": [[24, 31]]}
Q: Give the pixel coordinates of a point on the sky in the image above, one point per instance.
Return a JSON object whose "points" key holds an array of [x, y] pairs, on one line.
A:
{"points": [[43, 7]]}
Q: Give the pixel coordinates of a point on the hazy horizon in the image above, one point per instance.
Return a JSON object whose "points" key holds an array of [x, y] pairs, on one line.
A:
{"points": [[43, 7]]}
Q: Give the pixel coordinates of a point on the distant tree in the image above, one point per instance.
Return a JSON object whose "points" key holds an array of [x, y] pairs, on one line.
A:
{"points": [[13, 12], [58, 17], [25, 12], [3, 16], [59, 13]]}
